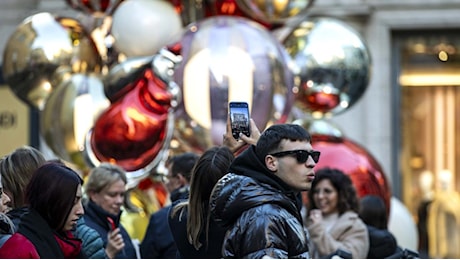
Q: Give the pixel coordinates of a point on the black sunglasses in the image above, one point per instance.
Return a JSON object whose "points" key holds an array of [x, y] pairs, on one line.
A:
{"points": [[301, 155]]}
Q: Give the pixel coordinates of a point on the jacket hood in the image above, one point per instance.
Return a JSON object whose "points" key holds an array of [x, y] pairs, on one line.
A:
{"points": [[248, 164], [250, 184]]}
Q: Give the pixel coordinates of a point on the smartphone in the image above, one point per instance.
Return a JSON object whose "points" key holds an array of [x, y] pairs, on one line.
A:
{"points": [[111, 223], [239, 118]]}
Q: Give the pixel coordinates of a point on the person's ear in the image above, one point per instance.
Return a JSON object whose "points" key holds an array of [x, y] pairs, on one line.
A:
{"points": [[182, 179], [92, 195], [271, 162]]}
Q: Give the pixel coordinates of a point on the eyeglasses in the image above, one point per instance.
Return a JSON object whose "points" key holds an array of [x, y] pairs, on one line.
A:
{"points": [[301, 155]]}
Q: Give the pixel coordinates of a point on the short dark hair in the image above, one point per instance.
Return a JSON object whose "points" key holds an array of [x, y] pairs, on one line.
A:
{"points": [[372, 211], [51, 192], [348, 199], [271, 138], [183, 164]]}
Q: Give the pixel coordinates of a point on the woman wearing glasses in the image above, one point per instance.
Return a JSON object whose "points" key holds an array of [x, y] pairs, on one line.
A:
{"points": [[333, 221]]}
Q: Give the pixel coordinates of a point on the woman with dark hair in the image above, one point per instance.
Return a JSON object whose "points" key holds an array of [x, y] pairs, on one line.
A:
{"points": [[54, 197], [333, 221], [373, 212], [16, 170], [195, 234]]}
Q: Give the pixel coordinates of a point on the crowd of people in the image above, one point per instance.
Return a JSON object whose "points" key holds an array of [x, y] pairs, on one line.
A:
{"points": [[239, 200]]}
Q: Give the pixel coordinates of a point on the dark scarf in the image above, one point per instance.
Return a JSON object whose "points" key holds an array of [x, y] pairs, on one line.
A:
{"points": [[16, 214], [37, 230], [99, 215]]}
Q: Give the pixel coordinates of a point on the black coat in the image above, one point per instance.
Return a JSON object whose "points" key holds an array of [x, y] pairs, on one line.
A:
{"points": [[381, 243], [158, 241], [260, 210], [212, 249]]}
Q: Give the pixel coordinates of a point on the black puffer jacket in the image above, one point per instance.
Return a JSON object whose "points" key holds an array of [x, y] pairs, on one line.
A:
{"points": [[261, 211], [382, 243]]}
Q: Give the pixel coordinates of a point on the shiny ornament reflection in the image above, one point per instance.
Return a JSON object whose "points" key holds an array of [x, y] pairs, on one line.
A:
{"points": [[95, 7], [122, 74], [142, 27], [230, 8], [333, 65], [70, 112], [190, 10], [41, 50], [321, 127], [353, 159], [274, 11], [242, 62], [136, 128]]}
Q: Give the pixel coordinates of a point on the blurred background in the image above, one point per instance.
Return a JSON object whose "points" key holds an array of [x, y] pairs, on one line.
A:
{"points": [[133, 81]]}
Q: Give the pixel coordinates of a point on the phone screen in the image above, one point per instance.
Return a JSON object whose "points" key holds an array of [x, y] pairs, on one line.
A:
{"points": [[239, 118]]}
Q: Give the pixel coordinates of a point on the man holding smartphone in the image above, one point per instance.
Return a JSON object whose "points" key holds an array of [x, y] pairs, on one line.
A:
{"points": [[259, 199]]}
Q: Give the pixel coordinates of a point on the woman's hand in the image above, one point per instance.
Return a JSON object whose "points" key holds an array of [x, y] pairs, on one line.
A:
{"points": [[115, 243], [315, 216]]}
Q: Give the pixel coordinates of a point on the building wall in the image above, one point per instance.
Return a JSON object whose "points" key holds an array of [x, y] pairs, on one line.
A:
{"points": [[371, 121]]}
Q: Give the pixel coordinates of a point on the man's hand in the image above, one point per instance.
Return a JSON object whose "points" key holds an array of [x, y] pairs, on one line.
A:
{"points": [[236, 145]]}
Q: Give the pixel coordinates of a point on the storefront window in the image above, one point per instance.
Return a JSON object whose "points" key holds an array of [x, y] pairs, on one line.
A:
{"points": [[429, 80]]}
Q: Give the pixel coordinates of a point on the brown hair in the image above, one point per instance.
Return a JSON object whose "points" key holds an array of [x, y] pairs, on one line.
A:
{"points": [[211, 166], [52, 192], [16, 169]]}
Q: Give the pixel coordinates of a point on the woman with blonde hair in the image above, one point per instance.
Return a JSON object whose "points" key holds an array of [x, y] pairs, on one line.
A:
{"points": [[105, 190]]}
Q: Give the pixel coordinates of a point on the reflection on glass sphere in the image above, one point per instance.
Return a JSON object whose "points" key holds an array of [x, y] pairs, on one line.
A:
{"points": [[274, 11], [134, 131], [228, 59], [333, 65], [42, 51], [321, 128]]}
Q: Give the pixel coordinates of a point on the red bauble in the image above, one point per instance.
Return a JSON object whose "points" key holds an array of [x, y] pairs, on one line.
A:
{"points": [[133, 130], [320, 101], [355, 161]]}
